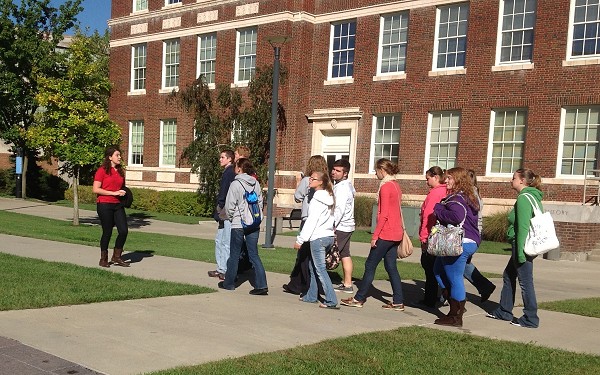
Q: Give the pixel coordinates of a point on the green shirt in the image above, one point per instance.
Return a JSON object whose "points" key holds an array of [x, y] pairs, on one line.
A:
{"points": [[519, 221]]}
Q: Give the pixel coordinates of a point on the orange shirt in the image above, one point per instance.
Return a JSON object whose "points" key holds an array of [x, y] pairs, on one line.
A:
{"points": [[389, 219]]}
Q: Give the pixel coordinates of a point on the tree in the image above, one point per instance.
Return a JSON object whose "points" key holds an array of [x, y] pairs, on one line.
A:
{"points": [[29, 35], [74, 125], [217, 115]]}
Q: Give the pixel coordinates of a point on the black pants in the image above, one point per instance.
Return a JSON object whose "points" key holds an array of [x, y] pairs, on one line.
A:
{"points": [[431, 286], [112, 214]]}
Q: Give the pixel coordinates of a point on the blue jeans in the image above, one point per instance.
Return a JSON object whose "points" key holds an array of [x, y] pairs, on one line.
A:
{"points": [[237, 240], [449, 271], [524, 272], [386, 250], [222, 242], [318, 248]]}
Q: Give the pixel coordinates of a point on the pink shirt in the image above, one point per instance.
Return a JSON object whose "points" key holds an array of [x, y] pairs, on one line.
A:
{"points": [[389, 219], [428, 218]]}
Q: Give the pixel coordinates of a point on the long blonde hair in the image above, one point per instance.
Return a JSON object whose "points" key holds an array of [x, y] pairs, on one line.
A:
{"points": [[326, 185]]}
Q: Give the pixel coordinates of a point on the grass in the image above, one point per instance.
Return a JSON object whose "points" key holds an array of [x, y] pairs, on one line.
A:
{"points": [[31, 283], [180, 219], [411, 350], [280, 261], [585, 306], [486, 247]]}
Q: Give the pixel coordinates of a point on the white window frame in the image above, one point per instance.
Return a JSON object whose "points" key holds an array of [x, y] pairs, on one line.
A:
{"points": [[138, 5], [144, 68], [132, 137], [428, 142], [164, 145], [385, 130], [212, 61], [177, 64], [436, 43], [331, 51], [404, 21], [238, 57], [561, 140], [491, 142], [570, 39], [512, 31]]}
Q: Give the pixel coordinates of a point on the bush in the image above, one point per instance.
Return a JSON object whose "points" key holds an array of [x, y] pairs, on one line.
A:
{"points": [[363, 210], [495, 227], [7, 181]]}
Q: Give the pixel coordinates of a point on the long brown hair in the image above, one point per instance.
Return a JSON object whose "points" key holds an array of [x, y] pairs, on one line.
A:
{"points": [[106, 163], [326, 185], [531, 179], [463, 184], [316, 163]]}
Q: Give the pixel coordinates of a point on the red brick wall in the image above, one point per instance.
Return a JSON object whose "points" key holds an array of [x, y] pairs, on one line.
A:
{"points": [[577, 237]]}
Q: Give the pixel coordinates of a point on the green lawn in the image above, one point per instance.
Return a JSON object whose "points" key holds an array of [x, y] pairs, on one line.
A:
{"points": [[585, 306], [280, 260], [31, 283], [411, 350]]}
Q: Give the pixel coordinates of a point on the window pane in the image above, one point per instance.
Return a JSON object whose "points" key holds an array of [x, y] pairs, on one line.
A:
{"points": [[342, 48]]}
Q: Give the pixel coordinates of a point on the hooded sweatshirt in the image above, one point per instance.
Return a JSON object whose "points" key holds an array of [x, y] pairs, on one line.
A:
{"points": [[235, 203], [343, 214], [319, 222], [519, 221], [451, 210]]}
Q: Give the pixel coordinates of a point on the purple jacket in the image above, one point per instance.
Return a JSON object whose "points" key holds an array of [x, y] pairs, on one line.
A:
{"points": [[448, 211]]}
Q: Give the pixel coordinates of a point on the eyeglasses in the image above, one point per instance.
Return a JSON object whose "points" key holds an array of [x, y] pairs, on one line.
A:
{"points": [[311, 179]]}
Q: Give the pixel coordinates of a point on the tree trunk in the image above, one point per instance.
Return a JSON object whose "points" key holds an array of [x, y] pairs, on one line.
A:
{"points": [[76, 196]]}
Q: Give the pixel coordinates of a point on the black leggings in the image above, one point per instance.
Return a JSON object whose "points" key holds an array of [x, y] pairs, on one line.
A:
{"points": [[112, 214]]}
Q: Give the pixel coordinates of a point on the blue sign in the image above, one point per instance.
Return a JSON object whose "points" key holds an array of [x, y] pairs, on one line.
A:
{"points": [[19, 165]]}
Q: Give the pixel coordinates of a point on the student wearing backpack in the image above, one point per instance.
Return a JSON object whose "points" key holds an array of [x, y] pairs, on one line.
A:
{"points": [[244, 226]]}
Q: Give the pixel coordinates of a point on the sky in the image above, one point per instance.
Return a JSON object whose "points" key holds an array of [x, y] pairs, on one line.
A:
{"points": [[95, 14]]}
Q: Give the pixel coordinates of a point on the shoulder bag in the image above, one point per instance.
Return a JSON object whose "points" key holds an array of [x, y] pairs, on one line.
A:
{"points": [[447, 241], [542, 234], [406, 247]]}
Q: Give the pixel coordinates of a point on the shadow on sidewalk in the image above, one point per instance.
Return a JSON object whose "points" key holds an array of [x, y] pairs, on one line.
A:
{"points": [[137, 256]]}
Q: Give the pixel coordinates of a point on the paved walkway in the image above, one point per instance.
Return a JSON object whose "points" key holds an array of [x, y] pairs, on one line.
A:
{"points": [[133, 337]]}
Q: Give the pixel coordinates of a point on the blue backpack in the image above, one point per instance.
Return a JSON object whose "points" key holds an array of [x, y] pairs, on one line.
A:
{"points": [[253, 216]]}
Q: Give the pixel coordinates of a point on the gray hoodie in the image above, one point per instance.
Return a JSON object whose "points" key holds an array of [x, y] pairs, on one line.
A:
{"points": [[235, 203]]}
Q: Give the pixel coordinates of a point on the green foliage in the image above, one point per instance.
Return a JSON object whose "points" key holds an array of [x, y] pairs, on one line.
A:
{"points": [[43, 185], [178, 203], [216, 115], [363, 210], [7, 181], [495, 227]]}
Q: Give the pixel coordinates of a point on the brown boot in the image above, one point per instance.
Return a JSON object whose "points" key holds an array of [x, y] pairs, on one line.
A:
{"points": [[116, 258], [104, 259], [454, 317]]}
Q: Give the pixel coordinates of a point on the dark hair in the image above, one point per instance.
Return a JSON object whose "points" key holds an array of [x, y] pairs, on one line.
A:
{"points": [[229, 154], [531, 179], [387, 165], [245, 165], [345, 164], [464, 185], [106, 163], [437, 171]]}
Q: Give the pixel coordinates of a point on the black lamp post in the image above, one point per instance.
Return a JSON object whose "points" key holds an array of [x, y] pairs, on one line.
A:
{"points": [[276, 42]]}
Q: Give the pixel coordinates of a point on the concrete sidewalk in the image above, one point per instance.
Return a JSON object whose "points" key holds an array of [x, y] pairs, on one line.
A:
{"points": [[132, 337]]}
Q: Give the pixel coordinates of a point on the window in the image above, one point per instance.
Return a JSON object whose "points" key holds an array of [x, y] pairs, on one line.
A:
{"points": [[171, 64], [507, 139], [246, 54], [138, 74], [516, 35], [238, 134], [139, 5], [136, 142], [579, 140], [341, 57], [451, 36], [586, 25], [207, 57], [443, 140], [392, 43], [169, 2], [168, 135], [385, 138]]}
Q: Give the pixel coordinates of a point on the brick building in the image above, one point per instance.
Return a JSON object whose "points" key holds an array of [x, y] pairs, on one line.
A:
{"points": [[488, 85]]}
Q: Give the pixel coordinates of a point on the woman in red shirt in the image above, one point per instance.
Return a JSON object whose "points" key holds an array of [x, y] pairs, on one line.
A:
{"points": [[385, 240], [108, 183]]}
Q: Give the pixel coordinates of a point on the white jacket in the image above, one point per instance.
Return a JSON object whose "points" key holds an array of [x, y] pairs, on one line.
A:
{"points": [[343, 215], [319, 222], [235, 203]]}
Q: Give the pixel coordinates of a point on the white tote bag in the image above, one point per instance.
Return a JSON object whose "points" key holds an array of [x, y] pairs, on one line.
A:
{"points": [[542, 235]]}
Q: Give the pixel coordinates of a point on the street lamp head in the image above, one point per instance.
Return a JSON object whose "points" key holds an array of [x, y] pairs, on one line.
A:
{"points": [[278, 41]]}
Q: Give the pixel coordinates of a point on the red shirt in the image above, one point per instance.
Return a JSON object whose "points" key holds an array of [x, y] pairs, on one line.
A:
{"points": [[113, 182], [428, 218], [389, 219]]}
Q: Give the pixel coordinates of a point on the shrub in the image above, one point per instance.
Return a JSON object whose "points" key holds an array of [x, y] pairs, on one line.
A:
{"points": [[363, 210], [7, 181], [495, 227]]}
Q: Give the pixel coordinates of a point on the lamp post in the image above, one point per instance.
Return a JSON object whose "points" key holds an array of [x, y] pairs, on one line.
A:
{"points": [[276, 43]]}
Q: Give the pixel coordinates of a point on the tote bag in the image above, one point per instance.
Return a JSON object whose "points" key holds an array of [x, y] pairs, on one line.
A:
{"points": [[542, 234], [405, 249], [447, 241]]}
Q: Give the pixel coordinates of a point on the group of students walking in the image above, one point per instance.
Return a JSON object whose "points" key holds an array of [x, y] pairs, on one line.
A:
{"points": [[328, 219]]}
